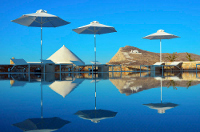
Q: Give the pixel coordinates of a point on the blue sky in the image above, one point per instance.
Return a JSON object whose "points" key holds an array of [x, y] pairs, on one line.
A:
{"points": [[132, 20]]}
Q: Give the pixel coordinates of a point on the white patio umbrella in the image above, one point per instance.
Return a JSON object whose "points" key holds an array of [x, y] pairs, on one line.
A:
{"points": [[40, 19], [94, 28], [160, 34]]}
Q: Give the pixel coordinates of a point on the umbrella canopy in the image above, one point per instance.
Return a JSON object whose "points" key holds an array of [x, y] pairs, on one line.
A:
{"points": [[160, 34], [96, 115], [95, 28], [161, 107], [40, 19], [41, 124]]}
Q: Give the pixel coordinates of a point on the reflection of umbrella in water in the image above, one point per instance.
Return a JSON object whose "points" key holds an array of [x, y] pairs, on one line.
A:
{"points": [[15, 83], [65, 87], [161, 107], [41, 124], [97, 114]]}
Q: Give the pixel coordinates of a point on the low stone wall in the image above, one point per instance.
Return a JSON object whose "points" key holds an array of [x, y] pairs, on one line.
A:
{"points": [[118, 68], [127, 68], [187, 65], [191, 65]]}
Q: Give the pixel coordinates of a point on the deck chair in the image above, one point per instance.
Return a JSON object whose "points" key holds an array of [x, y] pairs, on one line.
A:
{"points": [[157, 69], [175, 64], [159, 63], [157, 66], [18, 62]]}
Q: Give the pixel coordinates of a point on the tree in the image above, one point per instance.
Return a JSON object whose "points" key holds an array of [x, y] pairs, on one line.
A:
{"points": [[172, 83], [171, 57], [189, 57], [189, 83]]}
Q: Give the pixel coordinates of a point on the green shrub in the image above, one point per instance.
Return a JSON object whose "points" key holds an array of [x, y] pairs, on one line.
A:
{"points": [[189, 57], [172, 83], [171, 57]]}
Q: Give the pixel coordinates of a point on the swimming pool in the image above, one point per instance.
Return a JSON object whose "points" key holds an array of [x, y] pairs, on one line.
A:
{"points": [[108, 102]]}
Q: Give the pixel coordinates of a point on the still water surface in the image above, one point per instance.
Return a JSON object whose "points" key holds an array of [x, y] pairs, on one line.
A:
{"points": [[123, 102]]}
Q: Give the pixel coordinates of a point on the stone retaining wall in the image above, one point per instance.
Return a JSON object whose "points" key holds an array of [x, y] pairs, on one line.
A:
{"points": [[191, 65], [188, 65], [127, 68]]}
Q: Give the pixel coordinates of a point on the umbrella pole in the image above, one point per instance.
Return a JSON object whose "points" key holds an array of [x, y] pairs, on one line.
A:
{"points": [[95, 93], [160, 51], [95, 51], [161, 89], [41, 101], [41, 43]]}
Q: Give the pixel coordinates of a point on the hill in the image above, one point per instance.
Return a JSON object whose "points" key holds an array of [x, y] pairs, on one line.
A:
{"points": [[130, 55]]}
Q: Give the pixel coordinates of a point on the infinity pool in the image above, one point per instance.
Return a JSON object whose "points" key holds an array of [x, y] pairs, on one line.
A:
{"points": [[103, 102]]}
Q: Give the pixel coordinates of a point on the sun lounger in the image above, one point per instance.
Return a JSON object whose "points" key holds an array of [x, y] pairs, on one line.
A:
{"points": [[154, 65], [19, 61], [175, 64], [93, 62], [157, 66], [77, 63], [159, 63], [47, 62]]}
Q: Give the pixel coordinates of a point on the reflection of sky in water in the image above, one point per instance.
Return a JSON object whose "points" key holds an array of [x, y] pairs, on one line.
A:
{"points": [[20, 103]]}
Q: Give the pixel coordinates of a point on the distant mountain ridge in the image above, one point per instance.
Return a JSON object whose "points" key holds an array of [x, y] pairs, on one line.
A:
{"points": [[130, 55]]}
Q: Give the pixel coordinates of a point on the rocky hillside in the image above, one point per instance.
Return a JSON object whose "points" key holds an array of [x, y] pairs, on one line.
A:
{"points": [[130, 55]]}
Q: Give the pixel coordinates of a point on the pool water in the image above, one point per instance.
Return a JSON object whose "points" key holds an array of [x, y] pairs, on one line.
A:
{"points": [[105, 102]]}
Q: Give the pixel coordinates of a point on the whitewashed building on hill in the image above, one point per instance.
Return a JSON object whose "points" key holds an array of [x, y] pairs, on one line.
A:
{"points": [[65, 56]]}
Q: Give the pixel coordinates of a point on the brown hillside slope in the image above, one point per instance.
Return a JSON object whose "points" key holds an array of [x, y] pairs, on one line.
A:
{"points": [[123, 56]]}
